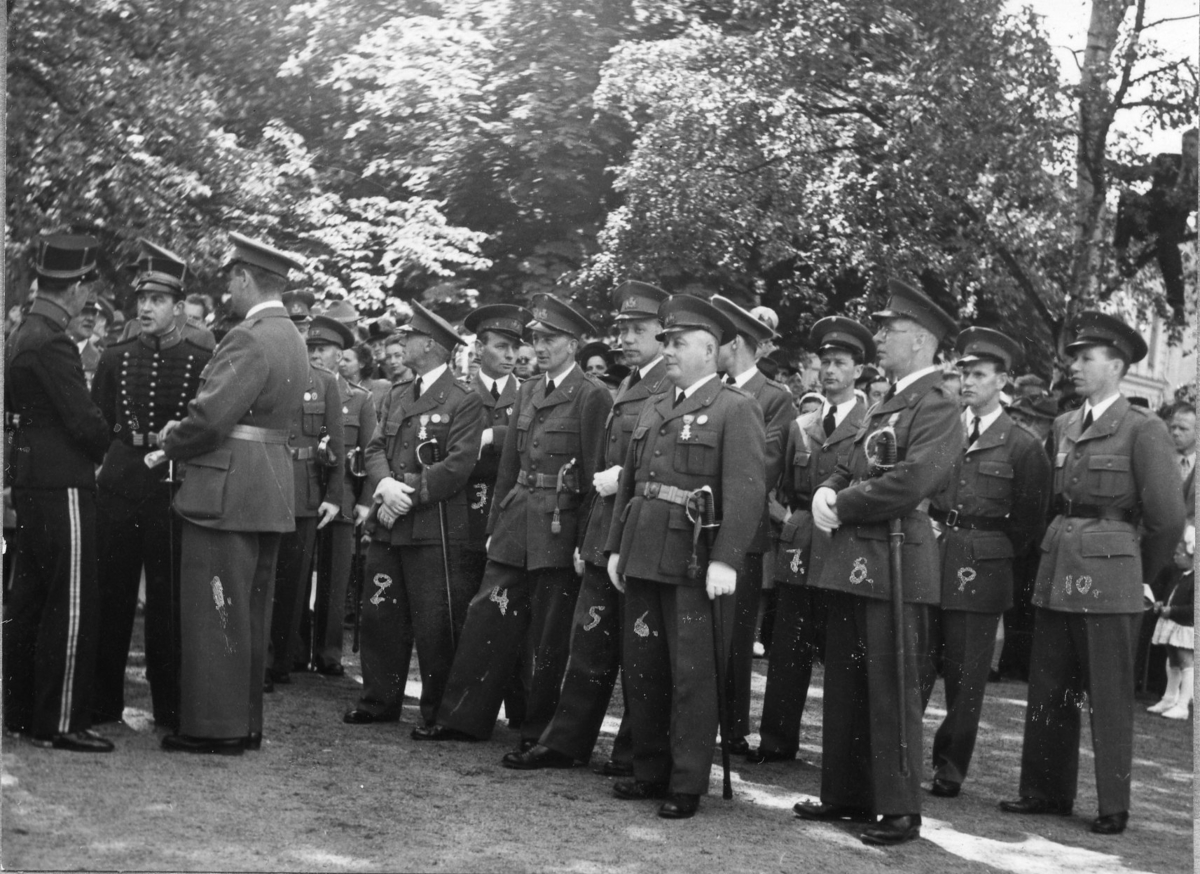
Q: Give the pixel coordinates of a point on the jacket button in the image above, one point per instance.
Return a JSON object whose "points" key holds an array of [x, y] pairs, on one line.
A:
{"points": [[658, 452], [1070, 528], [651, 474], [402, 465], [535, 443], [962, 482]]}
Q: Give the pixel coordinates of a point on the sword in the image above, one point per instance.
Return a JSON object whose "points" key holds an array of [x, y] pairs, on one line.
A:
{"points": [[435, 453], [886, 447]]}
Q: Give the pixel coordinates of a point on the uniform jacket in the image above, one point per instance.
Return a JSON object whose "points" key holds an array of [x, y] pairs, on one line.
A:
{"points": [[60, 434], [449, 412], [257, 376], [1125, 460], [319, 414], [619, 430], [191, 330], [140, 385], [1003, 473], [809, 459], [714, 438], [929, 436], [549, 432], [778, 411], [481, 486], [359, 421]]}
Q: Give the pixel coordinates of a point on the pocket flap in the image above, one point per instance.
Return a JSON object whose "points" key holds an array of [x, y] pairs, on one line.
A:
{"points": [[641, 432], [218, 459], [699, 438], [566, 424], [995, 545], [314, 408], [391, 428], [996, 468], [524, 421], [1103, 544], [1108, 462], [801, 459]]}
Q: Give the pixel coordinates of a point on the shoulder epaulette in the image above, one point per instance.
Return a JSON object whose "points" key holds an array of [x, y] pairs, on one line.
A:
{"points": [[188, 341]]}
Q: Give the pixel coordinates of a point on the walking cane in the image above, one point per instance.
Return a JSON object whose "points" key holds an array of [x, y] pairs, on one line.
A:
{"points": [[435, 455], [705, 519], [357, 470]]}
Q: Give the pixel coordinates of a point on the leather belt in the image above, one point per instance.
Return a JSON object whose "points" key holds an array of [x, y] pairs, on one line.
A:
{"points": [[259, 435], [670, 494], [537, 480], [955, 519], [302, 453], [1067, 507]]}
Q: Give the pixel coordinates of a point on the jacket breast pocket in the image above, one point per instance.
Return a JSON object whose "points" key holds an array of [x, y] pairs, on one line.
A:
{"points": [[697, 454], [523, 424], [800, 470], [1108, 544], [1108, 475], [995, 480], [638, 442], [562, 436], [313, 419], [202, 495]]}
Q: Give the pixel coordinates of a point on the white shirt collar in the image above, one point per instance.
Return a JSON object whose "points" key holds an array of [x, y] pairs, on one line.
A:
{"points": [[501, 383], [905, 381], [985, 422], [558, 380], [691, 389], [1099, 409], [428, 379], [645, 369], [259, 307], [742, 378], [840, 411]]}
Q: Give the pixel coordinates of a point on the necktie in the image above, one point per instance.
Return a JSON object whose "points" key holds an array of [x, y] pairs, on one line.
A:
{"points": [[495, 390], [549, 386], [974, 431], [1185, 464], [679, 396], [729, 380], [417, 389], [829, 421], [635, 378], [1087, 421]]}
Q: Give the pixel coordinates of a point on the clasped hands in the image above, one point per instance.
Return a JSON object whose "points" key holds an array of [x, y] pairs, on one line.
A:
{"points": [[394, 500]]}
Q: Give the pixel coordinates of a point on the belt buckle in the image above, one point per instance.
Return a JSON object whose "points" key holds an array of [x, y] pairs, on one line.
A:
{"points": [[653, 490], [1066, 505], [952, 519]]}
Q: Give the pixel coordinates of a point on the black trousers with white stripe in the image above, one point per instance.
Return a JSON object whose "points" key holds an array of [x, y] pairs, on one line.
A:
{"points": [[51, 618]]}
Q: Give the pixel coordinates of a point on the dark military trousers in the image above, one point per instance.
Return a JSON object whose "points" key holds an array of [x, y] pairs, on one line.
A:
{"points": [[293, 575], [51, 616], [517, 616], [671, 681], [1074, 653], [798, 639], [404, 602], [860, 743], [741, 650], [225, 587], [961, 645], [475, 564], [335, 554], [134, 534], [593, 663]]}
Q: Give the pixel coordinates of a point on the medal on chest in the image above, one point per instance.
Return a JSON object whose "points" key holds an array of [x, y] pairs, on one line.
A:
{"points": [[423, 433], [686, 433]]}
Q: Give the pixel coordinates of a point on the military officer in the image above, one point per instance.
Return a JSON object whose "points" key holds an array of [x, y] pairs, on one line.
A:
{"points": [[141, 384], [701, 437], [524, 605], [417, 463], [594, 658], [1119, 516], [861, 771], [315, 438], [237, 499], [51, 614], [327, 338], [817, 442], [992, 510], [498, 329], [738, 361]]}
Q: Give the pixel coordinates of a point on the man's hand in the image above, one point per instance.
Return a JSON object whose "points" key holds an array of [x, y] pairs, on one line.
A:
{"points": [[395, 496], [605, 481], [327, 512], [167, 429], [824, 510], [486, 439], [578, 562], [361, 513], [617, 580], [722, 579]]}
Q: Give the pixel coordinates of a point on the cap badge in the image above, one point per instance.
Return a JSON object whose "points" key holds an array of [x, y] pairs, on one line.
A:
{"points": [[541, 314], [630, 303]]}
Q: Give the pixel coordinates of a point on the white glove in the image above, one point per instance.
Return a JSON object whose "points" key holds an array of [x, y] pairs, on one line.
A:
{"points": [[617, 581], [394, 495], [1189, 538], [578, 562], [824, 510], [605, 481], [722, 579], [486, 440]]}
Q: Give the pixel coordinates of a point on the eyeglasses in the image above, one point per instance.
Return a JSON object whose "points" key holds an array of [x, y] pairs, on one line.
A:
{"points": [[524, 360], [886, 331]]}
